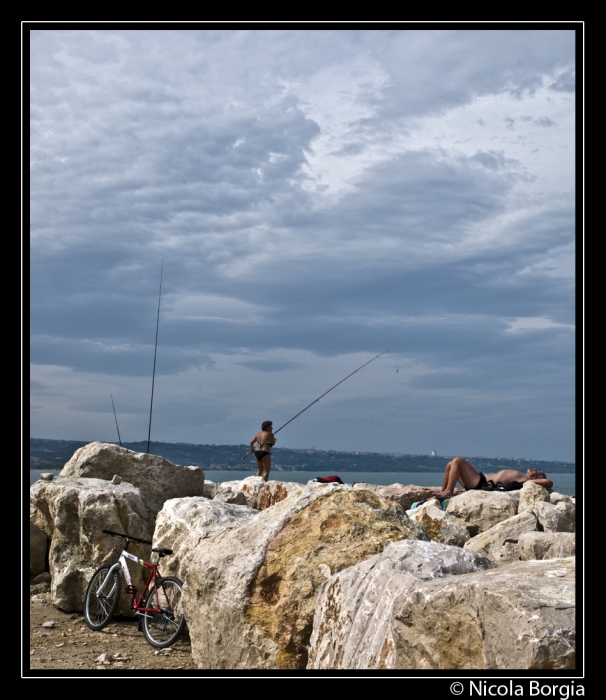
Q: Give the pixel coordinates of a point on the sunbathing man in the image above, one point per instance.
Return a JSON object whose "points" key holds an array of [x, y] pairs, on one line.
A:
{"points": [[459, 470]]}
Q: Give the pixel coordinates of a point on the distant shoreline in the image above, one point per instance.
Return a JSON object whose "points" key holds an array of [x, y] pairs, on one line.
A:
{"points": [[54, 454]]}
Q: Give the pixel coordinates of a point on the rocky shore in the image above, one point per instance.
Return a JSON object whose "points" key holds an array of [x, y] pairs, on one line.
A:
{"points": [[287, 576]]}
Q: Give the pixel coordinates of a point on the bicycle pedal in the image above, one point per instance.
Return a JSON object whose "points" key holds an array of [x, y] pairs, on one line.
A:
{"points": [[140, 629]]}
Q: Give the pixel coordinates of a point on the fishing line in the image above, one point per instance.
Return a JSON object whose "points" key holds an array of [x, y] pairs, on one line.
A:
{"points": [[324, 394]]}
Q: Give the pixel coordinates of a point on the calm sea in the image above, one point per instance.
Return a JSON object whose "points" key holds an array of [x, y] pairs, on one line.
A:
{"points": [[562, 483]]}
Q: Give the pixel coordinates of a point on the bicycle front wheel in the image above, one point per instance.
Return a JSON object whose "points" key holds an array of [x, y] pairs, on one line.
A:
{"points": [[101, 600], [163, 627]]}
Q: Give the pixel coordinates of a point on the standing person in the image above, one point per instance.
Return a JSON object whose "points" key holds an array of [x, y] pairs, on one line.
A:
{"points": [[459, 470], [265, 441]]}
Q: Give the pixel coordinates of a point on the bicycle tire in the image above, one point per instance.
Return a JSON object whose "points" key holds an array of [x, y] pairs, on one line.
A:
{"points": [[162, 629], [99, 607]]}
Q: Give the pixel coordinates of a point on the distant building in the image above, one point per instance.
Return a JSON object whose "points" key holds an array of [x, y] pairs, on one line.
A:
{"points": [[433, 453]]}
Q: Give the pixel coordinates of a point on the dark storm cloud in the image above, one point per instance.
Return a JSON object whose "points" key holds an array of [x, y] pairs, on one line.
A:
{"points": [[283, 180], [413, 199]]}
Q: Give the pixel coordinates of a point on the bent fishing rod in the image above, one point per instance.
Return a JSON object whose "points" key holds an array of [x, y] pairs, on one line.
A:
{"points": [[155, 352], [116, 417], [324, 394]]}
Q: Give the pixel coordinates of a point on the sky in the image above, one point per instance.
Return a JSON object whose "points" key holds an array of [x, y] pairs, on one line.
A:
{"points": [[309, 198]]}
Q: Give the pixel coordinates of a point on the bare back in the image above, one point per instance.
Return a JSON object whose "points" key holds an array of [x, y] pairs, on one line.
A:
{"points": [[265, 440]]}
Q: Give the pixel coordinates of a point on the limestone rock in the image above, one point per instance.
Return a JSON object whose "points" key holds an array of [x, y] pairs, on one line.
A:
{"points": [[555, 498], [530, 495], [228, 493], [438, 525], [568, 510], [185, 524], [500, 542], [368, 487], [478, 511], [353, 619], [37, 550], [250, 591], [546, 545], [210, 488], [407, 495], [518, 616], [156, 477], [77, 510], [275, 491], [249, 487], [36, 517], [552, 519]]}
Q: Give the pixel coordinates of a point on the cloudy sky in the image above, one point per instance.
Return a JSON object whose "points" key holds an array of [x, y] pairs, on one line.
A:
{"points": [[315, 197]]}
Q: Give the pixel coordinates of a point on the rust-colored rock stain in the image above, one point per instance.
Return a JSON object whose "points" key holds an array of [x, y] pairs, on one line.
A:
{"points": [[338, 530]]}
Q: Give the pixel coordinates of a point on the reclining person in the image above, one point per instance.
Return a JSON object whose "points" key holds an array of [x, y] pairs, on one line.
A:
{"points": [[459, 470]]}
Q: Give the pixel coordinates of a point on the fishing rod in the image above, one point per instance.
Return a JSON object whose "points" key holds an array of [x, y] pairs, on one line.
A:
{"points": [[324, 394], [155, 351], [118, 429]]}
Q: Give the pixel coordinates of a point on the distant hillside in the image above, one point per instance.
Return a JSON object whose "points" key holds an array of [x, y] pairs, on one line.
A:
{"points": [[53, 454]]}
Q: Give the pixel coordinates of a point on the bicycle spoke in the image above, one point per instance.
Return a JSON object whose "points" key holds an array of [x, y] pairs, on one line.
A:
{"points": [[99, 605], [164, 627]]}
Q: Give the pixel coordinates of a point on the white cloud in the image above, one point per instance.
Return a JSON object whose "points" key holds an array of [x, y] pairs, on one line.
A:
{"points": [[535, 323], [194, 307]]}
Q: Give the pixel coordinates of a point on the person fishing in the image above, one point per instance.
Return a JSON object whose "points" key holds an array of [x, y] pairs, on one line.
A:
{"points": [[264, 440]]}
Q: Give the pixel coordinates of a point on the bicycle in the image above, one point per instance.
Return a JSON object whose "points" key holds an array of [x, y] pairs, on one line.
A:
{"points": [[159, 607]]}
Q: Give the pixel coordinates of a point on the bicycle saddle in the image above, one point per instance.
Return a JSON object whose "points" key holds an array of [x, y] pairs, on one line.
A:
{"points": [[162, 551]]}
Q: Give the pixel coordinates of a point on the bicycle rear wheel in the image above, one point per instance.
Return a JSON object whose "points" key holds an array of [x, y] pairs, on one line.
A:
{"points": [[162, 628], [101, 601]]}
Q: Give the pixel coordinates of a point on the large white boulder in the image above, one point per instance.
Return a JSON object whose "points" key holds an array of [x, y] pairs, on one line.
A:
{"points": [[354, 617], [76, 511], [518, 616], [156, 477], [185, 524], [250, 590]]}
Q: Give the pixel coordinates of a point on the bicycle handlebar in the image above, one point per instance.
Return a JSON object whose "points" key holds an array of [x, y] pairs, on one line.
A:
{"points": [[128, 537]]}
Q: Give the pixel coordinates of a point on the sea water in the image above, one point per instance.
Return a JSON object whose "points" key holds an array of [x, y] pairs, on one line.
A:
{"points": [[562, 483]]}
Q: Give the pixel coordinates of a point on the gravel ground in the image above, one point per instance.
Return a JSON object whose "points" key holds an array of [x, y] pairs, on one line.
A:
{"points": [[63, 641]]}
